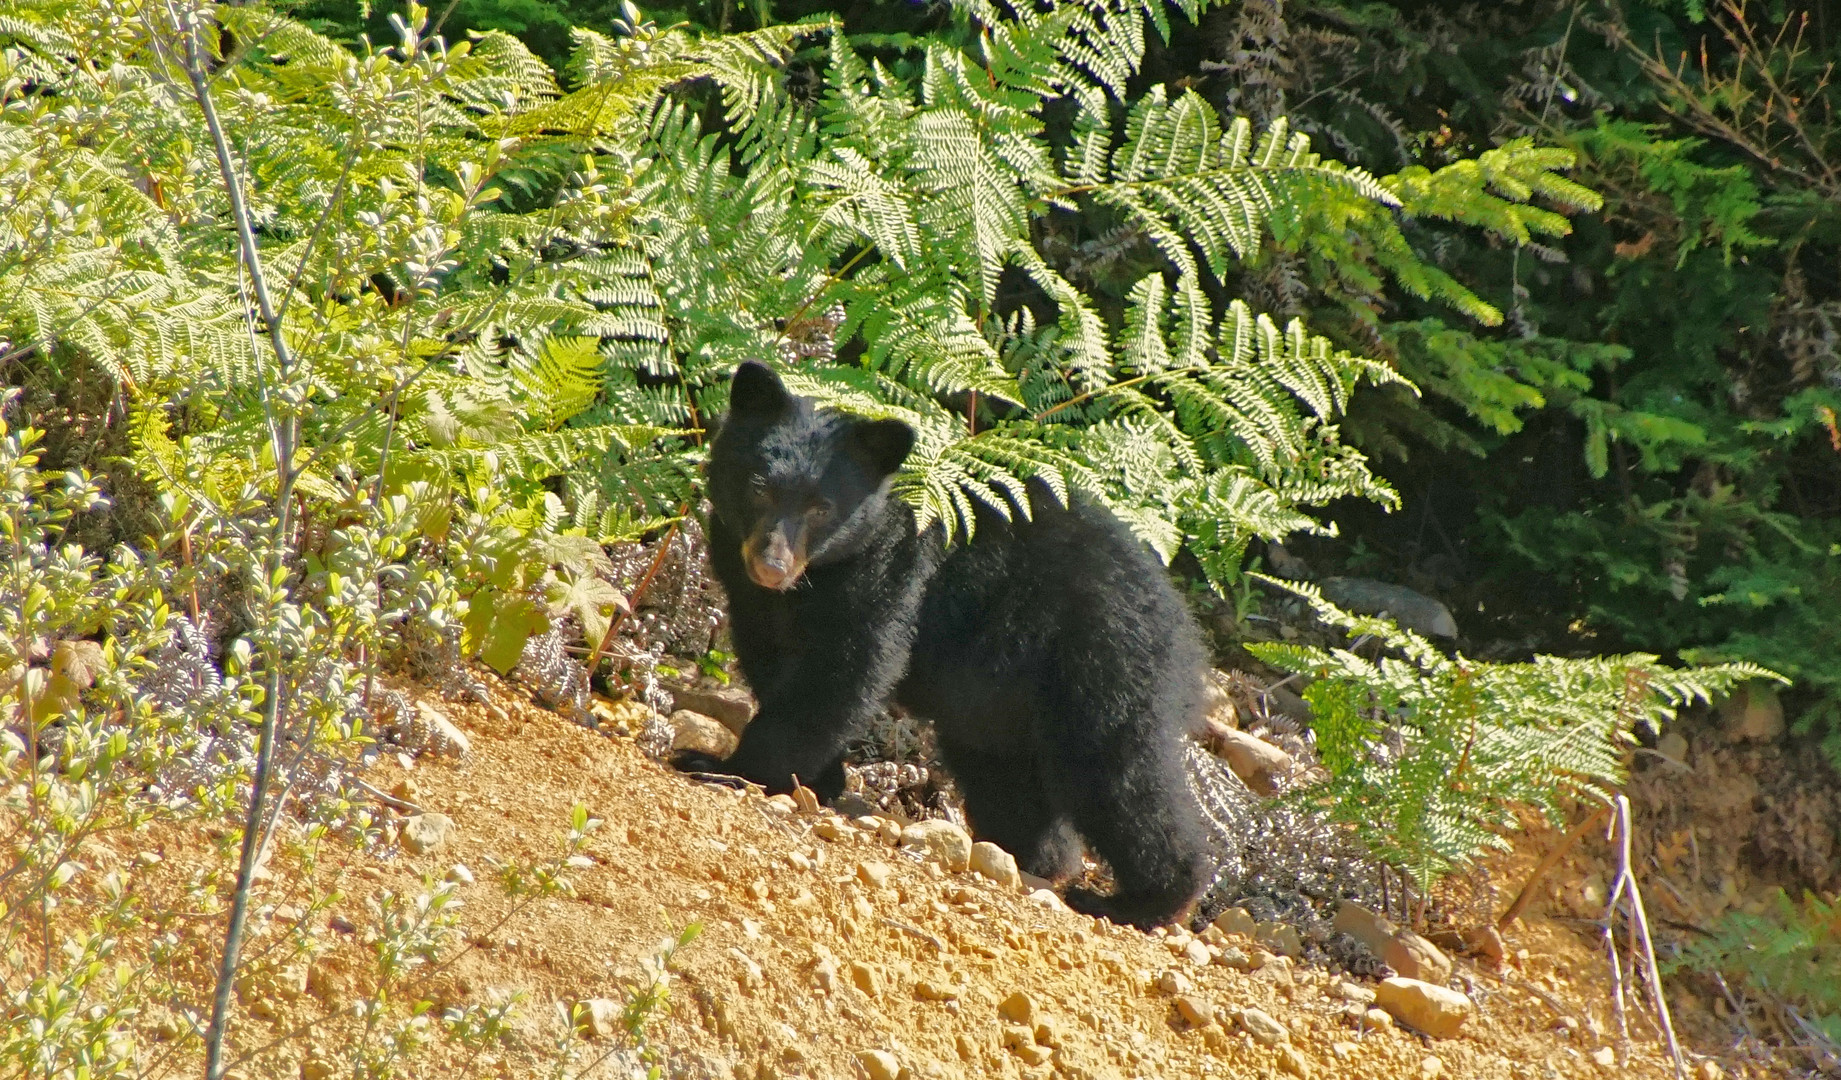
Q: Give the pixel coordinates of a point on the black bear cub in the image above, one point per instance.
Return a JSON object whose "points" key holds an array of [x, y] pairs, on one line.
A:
{"points": [[1057, 664]]}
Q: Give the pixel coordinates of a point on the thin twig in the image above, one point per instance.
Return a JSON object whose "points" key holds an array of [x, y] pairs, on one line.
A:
{"points": [[1624, 887]]}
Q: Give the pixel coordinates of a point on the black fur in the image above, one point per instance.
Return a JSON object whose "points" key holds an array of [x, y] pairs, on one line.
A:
{"points": [[1057, 664]]}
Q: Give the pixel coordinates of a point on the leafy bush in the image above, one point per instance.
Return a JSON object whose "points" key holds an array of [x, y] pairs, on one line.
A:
{"points": [[1785, 957], [1430, 756]]}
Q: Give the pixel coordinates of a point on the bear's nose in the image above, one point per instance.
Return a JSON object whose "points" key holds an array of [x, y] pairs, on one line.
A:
{"points": [[774, 565]]}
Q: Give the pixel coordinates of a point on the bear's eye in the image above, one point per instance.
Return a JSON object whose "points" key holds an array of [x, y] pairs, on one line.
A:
{"points": [[821, 510]]}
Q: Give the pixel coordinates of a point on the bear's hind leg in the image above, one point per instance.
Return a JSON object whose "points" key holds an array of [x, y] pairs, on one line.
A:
{"points": [[1124, 788], [1006, 805]]}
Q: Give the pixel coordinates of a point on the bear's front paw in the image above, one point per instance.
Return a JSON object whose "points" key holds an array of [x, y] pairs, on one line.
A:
{"points": [[706, 768]]}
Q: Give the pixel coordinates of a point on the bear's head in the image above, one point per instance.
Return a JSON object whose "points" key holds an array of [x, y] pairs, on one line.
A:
{"points": [[801, 485]]}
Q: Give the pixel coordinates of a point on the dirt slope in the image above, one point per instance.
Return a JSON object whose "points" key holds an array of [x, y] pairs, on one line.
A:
{"points": [[805, 963]]}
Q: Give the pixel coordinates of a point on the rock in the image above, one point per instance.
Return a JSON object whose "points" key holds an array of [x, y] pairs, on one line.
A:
{"points": [[1404, 951], [459, 874], [440, 737], [1262, 766], [1709, 1070], [1265, 1030], [1019, 1008], [423, 833], [1046, 898], [828, 828], [1486, 942], [873, 874], [1290, 1061], [1352, 992], [1236, 920], [1281, 938], [600, 1017], [782, 804], [1219, 707], [1432, 1009], [1173, 982], [702, 734], [1033, 1054], [879, 1064], [1431, 1068], [731, 706], [934, 991], [850, 805], [1235, 958], [316, 1068], [996, 863], [805, 799], [1412, 610], [1752, 713], [1673, 745], [1344, 1049], [1375, 1020], [865, 978], [1195, 1011], [1197, 953], [940, 840], [1604, 1057], [406, 789]]}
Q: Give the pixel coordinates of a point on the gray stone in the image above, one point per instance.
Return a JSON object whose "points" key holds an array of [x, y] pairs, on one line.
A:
{"points": [[1265, 1030], [1411, 609], [600, 1017], [424, 833]]}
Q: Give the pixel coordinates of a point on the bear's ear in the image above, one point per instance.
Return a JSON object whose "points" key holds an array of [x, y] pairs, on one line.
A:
{"points": [[884, 444], [757, 391]]}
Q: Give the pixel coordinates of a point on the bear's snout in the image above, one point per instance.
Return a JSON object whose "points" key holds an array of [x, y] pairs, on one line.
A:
{"points": [[773, 562]]}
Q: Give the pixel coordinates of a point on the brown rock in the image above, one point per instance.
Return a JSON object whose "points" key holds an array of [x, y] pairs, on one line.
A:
{"points": [[805, 799], [1262, 766], [935, 991], [879, 1064], [1265, 1030], [1236, 920], [865, 978], [1290, 1061], [1486, 942], [731, 706], [1404, 951], [1281, 938], [1018, 1008], [940, 840], [1752, 713], [1195, 1011], [1431, 1068], [1174, 983], [873, 874], [700, 733], [600, 1017], [1435, 1010], [442, 737], [995, 863]]}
